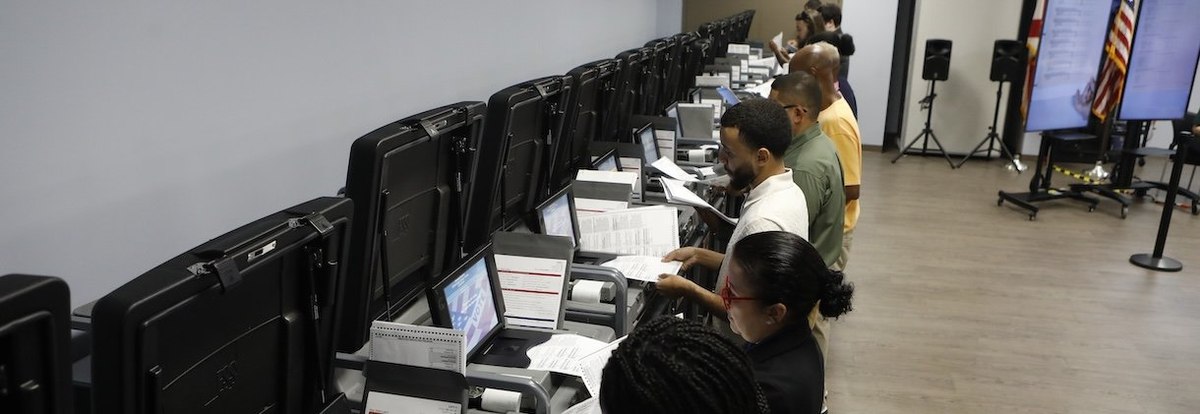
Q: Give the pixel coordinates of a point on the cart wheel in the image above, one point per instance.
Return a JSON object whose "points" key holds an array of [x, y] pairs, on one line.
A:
{"points": [[1091, 208], [1124, 212], [1142, 162], [1033, 217], [1195, 209], [1000, 202]]}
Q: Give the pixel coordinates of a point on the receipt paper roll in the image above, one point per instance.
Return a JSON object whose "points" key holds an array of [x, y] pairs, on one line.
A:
{"points": [[587, 291], [500, 401]]}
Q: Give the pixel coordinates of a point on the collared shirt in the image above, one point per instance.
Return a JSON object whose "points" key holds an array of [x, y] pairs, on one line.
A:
{"points": [[818, 172], [839, 124], [776, 204]]}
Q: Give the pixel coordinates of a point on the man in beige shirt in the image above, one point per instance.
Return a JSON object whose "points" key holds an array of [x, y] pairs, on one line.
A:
{"points": [[838, 122]]}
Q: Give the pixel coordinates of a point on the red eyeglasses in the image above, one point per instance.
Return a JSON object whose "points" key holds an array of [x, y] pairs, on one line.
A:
{"points": [[728, 296]]}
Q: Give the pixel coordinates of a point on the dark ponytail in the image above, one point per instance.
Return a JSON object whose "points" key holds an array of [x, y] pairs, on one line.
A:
{"points": [[835, 295], [782, 267]]}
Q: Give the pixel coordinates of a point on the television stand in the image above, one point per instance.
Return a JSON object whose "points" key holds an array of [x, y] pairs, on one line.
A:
{"points": [[1039, 185]]}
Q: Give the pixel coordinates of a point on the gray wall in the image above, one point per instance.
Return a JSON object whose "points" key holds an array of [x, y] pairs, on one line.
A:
{"points": [[670, 17], [135, 130]]}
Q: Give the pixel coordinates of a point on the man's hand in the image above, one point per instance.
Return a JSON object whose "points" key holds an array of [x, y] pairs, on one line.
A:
{"points": [[774, 47], [793, 43], [675, 286], [688, 255]]}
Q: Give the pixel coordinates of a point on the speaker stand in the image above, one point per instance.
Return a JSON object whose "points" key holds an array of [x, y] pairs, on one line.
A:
{"points": [[927, 133], [993, 138]]}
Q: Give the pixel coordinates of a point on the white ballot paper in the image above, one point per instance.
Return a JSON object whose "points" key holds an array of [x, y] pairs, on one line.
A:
{"points": [[592, 366], [644, 268], [589, 206], [778, 40], [562, 353], [383, 403], [678, 194], [648, 231], [588, 406], [418, 346], [672, 170], [533, 289]]}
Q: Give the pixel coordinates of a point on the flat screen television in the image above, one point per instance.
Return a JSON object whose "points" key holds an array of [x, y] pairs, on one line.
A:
{"points": [[1068, 60], [1162, 61], [242, 323]]}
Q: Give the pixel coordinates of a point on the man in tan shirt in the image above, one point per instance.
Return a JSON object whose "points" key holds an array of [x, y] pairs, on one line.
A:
{"points": [[838, 122]]}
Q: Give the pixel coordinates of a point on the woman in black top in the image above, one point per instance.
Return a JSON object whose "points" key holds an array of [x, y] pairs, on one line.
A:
{"points": [[775, 279]]}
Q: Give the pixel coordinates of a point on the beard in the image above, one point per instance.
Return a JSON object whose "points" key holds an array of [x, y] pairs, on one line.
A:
{"points": [[740, 179]]}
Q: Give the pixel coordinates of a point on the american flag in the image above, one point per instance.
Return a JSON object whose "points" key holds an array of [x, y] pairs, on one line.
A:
{"points": [[1112, 77]]}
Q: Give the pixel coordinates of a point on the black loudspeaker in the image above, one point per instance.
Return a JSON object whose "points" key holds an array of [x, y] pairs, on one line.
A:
{"points": [[937, 59], [1008, 60]]}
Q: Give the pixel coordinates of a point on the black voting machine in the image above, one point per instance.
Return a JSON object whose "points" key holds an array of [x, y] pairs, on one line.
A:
{"points": [[262, 318]]}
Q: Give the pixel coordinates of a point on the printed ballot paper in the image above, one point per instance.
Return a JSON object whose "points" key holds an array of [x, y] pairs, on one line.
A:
{"points": [[533, 289], [644, 268], [418, 346], [678, 194], [648, 231], [562, 353], [591, 366], [572, 354]]}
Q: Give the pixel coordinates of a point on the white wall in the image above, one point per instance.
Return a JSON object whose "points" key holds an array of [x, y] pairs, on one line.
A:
{"points": [[963, 108], [874, 28], [135, 130]]}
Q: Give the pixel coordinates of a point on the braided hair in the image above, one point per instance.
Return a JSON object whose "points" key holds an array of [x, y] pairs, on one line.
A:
{"points": [[671, 365], [781, 267]]}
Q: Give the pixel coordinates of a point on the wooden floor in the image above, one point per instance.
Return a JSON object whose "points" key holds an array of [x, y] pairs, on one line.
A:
{"points": [[966, 307]]}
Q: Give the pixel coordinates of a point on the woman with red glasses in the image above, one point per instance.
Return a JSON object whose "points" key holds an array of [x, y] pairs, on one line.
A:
{"points": [[774, 280]]}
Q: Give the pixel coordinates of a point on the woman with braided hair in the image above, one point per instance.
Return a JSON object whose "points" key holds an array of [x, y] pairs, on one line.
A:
{"points": [[671, 365], [775, 279]]}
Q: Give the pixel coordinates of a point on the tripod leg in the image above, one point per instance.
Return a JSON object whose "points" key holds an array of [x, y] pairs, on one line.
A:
{"points": [[942, 149], [904, 151], [986, 140]]}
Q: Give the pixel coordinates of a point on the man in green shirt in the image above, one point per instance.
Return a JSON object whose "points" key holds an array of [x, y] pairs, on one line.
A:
{"points": [[814, 162]]}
